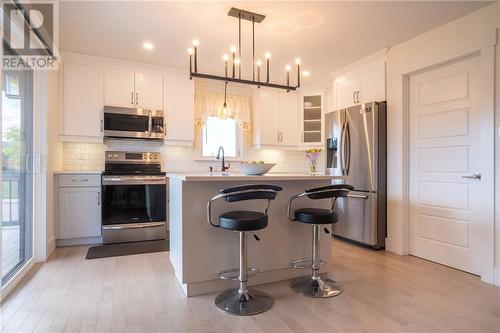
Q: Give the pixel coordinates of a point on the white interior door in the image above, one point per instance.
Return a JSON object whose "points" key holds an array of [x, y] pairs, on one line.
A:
{"points": [[448, 152]]}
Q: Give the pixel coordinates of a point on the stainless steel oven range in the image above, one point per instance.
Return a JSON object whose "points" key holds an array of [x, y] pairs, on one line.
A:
{"points": [[134, 198]]}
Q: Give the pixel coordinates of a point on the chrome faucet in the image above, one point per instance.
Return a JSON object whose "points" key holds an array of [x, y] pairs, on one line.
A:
{"points": [[223, 167]]}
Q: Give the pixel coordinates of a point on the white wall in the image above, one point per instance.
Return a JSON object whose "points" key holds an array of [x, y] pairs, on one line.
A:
{"points": [[469, 34]]}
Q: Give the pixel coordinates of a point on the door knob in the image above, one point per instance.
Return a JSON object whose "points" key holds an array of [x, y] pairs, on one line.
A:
{"points": [[475, 176]]}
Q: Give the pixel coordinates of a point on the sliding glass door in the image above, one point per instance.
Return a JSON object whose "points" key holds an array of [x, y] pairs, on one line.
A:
{"points": [[17, 171]]}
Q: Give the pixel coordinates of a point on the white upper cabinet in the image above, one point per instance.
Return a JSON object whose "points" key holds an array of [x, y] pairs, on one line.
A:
{"points": [[289, 118], [365, 83], [312, 116], [132, 89], [275, 118], [371, 85], [266, 117], [82, 103], [149, 91], [179, 110], [345, 88], [119, 88]]}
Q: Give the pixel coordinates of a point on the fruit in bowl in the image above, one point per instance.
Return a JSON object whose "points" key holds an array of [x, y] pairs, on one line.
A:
{"points": [[254, 168]]}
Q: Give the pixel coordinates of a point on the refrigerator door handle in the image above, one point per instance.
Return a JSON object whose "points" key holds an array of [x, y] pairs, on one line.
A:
{"points": [[342, 149], [348, 150]]}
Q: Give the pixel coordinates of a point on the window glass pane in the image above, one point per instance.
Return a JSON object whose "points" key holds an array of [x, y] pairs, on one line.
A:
{"points": [[17, 171], [220, 132]]}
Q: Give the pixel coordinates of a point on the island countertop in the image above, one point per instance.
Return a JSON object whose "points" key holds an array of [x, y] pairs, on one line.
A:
{"points": [[237, 176]]}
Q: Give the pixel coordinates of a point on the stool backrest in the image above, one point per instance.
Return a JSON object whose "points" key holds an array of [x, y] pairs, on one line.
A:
{"points": [[250, 192], [330, 191]]}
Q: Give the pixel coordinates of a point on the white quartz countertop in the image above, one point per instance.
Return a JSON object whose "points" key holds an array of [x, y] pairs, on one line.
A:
{"points": [[77, 172], [236, 176]]}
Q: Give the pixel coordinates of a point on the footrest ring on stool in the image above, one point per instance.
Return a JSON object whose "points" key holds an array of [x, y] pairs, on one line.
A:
{"points": [[304, 264], [234, 273]]}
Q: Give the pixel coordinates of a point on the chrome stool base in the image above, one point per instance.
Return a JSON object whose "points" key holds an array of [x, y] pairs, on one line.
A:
{"points": [[243, 303], [317, 287]]}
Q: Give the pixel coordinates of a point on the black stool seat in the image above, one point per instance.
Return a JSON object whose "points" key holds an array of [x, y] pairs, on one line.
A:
{"points": [[316, 216], [243, 220]]}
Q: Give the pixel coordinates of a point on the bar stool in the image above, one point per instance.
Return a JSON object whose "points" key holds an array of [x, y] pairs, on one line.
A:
{"points": [[243, 301], [315, 286]]}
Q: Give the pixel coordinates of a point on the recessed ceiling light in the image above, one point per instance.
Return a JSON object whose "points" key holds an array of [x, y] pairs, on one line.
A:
{"points": [[148, 45], [306, 73]]}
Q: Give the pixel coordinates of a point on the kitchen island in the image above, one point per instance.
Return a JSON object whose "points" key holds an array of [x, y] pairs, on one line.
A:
{"points": [[198, 251]]}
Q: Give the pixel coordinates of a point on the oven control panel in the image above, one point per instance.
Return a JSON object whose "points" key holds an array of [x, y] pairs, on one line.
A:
{"points": [[131, 157]]}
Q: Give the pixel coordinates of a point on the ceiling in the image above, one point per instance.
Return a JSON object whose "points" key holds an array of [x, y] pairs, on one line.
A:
{"points": [[325, 35]]}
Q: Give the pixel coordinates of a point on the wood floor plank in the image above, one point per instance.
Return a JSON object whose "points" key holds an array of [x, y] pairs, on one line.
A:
{"points": [[383, 292]]}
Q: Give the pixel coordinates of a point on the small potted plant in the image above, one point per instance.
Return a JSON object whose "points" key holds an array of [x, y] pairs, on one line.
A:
{"points": [[312, 154]]}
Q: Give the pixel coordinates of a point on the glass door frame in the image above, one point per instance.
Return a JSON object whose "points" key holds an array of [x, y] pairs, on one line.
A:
{"points": [[26, 208]]}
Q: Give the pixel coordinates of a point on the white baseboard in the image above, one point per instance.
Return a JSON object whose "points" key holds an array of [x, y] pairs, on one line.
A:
{"points": [[51, 246], [496, 278], [388, 245], [79, 241]]}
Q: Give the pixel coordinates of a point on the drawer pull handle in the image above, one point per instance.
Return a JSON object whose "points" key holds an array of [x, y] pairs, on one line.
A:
{"points": [[80, 180]]}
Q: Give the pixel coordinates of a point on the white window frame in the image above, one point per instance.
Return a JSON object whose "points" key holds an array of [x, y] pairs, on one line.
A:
{"points": [[239, 146]]}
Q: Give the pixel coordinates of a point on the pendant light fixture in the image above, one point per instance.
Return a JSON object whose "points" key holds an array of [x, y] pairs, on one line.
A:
{"points": [[235, 58], [223, 113]]}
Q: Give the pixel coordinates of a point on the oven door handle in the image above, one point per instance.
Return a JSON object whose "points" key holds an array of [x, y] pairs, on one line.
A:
{"points": [[134, 180], [133, 225]]}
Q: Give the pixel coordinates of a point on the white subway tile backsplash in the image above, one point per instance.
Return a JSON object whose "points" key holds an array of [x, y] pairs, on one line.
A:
{"points": [[90, 157]]}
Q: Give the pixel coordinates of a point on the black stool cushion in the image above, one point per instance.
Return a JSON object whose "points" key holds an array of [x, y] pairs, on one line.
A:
{"points": [[316, 216], [243, 220]]}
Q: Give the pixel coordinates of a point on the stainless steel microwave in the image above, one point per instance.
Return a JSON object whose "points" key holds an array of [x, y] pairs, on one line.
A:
{"points": [[131, 123]]}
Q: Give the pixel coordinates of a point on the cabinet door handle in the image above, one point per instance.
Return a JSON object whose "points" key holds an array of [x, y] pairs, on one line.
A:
{"points": [[102, 125], [132, 98], [281, 136], [98, 198], [354, 97], [277, 136], [357, 97], [136, 98]]}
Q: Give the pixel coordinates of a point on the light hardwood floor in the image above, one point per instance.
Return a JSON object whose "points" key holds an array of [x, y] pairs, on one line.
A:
{"points": [[383, 292]]}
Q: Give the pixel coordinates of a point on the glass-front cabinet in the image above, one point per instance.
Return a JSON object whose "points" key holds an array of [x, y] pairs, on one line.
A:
{"points": [[312, 118]]}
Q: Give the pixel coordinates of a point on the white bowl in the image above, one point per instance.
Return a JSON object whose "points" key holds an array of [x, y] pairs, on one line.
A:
{"points": [[254, 169]]}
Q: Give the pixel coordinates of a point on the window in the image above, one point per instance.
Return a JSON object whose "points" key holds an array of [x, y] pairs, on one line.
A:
{"points": [[220, 132]]}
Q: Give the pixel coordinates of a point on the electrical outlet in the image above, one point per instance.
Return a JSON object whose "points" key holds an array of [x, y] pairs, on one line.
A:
{"points": [[81, 155]]}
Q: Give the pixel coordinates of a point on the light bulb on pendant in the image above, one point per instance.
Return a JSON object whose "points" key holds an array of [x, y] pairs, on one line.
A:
{"points": [[267, 55], [259, 64], [195, 44], [288, 68], [297, 62]]}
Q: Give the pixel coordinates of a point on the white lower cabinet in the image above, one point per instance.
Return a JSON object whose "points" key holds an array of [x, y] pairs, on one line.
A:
{"points": [[78, 208]]}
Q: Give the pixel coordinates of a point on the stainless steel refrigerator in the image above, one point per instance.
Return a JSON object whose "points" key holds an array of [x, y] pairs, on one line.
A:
{"points": [[356, 148]]}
